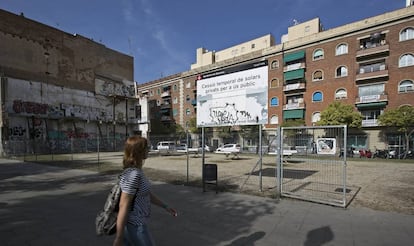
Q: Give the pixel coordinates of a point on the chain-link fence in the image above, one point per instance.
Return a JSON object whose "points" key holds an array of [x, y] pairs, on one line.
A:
{"points": [[26, 148], [313, 164]]}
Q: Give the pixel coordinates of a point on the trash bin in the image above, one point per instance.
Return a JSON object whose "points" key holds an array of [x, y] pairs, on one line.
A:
{"points": [[210, 176]]}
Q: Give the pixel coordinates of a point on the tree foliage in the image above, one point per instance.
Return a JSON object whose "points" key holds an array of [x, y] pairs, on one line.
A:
{"points": [[402, 118], [340, 114], [293, 123], [193, 126]]}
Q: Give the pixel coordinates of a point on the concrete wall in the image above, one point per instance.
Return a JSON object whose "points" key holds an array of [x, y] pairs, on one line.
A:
{"points": [[34, 110]]}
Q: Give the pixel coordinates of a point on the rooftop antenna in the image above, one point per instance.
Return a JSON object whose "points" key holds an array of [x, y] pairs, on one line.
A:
{"points": [[295, 22]]}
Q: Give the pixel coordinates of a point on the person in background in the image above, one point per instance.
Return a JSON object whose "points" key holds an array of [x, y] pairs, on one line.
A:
{"points": [[136, 197]]}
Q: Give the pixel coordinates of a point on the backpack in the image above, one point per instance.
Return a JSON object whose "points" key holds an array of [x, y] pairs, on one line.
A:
{"points": [[105, 221]]}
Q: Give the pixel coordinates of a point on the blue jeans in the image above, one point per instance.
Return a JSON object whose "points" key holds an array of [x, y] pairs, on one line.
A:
{"points": [[135, 235]]}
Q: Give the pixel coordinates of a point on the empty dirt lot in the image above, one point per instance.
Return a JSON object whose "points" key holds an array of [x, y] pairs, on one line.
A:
{"points": [[378, 184], [386, 185]]}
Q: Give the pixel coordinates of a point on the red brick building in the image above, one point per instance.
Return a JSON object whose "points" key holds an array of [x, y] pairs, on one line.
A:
{"points": [[368, 64]]}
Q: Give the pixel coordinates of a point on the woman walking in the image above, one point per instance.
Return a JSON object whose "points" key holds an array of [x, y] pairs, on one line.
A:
{"points": [[136, 197]]}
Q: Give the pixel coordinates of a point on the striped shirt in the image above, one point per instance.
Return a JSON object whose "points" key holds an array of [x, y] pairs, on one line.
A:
{"points": [[134, 182]]}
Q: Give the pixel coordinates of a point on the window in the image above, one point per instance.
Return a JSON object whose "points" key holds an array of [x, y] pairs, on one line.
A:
{"points": [[318, 54], [187, 98], [406, 60], [341, 71], [341, 94], [371, 90], [158, 91], [275, 64], [175, 100], [295, 99], [187, 111], [188, 85], [407, 33], [316, 117], [370, 117], [341, 49], [274, 102], [372, 67], [317, 75], [406, 86], [274, 83], [175, 87], [274, 119], [374, 40], [317, 96], [158, 102], [253, 46], [175, 112], [151, 93], [357, 141]]}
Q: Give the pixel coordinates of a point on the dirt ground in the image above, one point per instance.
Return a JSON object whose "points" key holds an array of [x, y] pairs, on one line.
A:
{"points": [[386, 185], [377, 184]]}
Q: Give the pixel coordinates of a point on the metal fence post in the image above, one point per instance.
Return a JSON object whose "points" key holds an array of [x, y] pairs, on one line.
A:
{"points": [[279, 161]]}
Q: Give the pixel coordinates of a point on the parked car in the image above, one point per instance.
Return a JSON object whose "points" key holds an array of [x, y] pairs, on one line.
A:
{"points": [[229, 148], [181, 148], [166, 147]]}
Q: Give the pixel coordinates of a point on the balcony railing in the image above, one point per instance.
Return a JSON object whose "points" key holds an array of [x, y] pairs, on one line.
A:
{"points": [[166, 118], [370, 122], [295, 86], [372, 98], [295, 66], [372, 72], [165, 106], [295, 105], [385, 48], [166, 94]]}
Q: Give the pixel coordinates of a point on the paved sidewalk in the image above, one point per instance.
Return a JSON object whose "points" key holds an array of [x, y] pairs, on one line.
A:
{"points": [[43, 205]]}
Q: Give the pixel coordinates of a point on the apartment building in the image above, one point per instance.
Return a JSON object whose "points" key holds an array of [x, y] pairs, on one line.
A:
{"points": [[368, 64], [57, 86]]}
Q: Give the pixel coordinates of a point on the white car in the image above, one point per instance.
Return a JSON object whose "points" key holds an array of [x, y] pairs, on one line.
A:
{"points": [[166, 147], [229, 148]]}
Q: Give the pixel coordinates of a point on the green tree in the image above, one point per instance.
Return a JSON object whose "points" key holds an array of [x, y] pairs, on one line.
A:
{"points": [[179, 131], [293, 123], [340, 114], [193, 126], [402, 118], [250, 132], [224, 132]]}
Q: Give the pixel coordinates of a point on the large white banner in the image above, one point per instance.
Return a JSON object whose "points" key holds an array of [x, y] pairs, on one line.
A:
{"points": [[236, 96]]}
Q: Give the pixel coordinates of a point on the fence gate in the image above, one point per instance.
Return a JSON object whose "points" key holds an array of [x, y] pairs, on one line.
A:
{"points": [[313, 164]]}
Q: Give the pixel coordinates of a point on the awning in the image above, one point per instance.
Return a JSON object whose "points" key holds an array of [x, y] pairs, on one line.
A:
{"points": [[293, 114], [295, 74], [294, 56], [372, 105]]}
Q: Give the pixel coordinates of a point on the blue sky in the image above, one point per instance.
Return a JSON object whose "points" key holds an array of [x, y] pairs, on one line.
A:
{"points": [[163, 35]]}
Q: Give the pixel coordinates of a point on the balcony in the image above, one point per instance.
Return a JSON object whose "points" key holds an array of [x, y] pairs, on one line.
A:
{"points": [[295, 66], [373, 51], [166, 94], [165, 106], [165, 118], [370, 123], [373, 72], [295, 105], [294, 87], [372, 99]]}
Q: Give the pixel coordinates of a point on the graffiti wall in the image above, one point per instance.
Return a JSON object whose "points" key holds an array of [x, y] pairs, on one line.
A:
{"points": [[46, 112]]}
